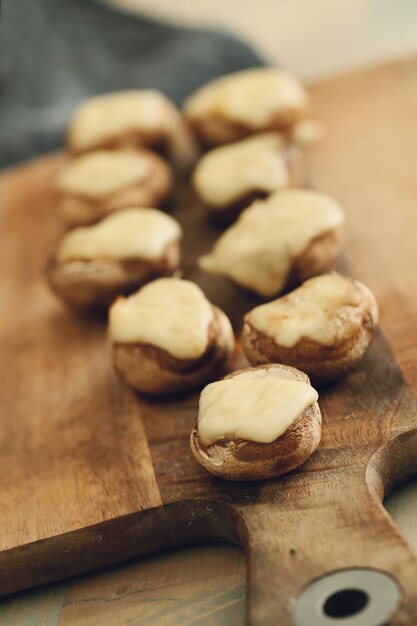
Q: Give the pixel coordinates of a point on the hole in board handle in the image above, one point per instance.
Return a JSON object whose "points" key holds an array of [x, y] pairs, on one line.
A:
{"points": [[356, 596], [345, 603]]}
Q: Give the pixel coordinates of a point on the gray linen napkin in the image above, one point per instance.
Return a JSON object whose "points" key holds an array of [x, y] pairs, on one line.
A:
{"points": [[55, 53]]}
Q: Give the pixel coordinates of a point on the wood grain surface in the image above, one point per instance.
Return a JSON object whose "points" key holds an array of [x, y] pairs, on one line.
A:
{"points": [[198, 585], [87, 464]]}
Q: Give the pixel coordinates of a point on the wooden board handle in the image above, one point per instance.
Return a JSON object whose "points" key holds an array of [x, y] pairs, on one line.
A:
{"points": [[324, 523]]}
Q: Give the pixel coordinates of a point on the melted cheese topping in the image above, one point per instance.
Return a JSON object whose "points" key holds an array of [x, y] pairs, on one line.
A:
{"points": [[252, 97], [228, 173], [326, 309], [170, 313], [251, 408], [101, 173], [259, 249], [128, 234], [110, 116]]}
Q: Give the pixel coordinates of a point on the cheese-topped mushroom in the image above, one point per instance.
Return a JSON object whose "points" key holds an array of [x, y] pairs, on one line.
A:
{"points": [[257, 423], [128, 119], [282, 240], [246, 102], [169, 313], [324, 327], [168, 337], [228, 178], [95, 184], [94, 264]]}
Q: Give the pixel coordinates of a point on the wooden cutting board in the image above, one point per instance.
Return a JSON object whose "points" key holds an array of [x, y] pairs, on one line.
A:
{"points": [[91, 474]]}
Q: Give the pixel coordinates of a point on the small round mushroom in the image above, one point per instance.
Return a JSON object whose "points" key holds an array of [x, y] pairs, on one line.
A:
{"points": [[93, 185], [244, 103], [279, 242], [229, 178], [323, 328], [168, 337], [257, 423], [94, 264], [128, 119]]}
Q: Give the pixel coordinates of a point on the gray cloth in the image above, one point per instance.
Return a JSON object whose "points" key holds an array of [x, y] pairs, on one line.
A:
{"points": [[55, 53]]}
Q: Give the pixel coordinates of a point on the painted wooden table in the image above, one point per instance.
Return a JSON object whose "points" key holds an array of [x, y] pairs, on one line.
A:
{"points": [[368, 162]]}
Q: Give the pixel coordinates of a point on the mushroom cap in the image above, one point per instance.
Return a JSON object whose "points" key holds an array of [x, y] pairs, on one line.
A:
{"points": [[234, 106], [250, 460], [96, 283], [323, 363], [151, 369], [85, 191]]}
